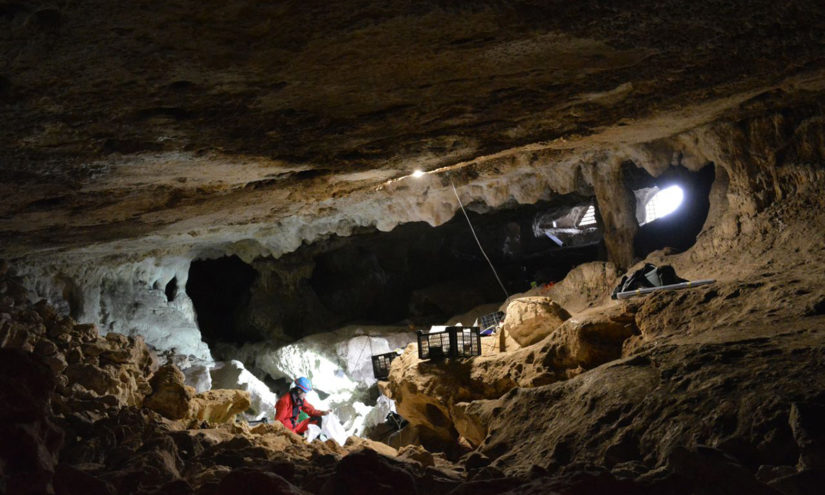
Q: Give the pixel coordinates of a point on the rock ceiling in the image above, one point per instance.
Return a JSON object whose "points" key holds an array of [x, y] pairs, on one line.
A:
{"points": [[207, 124]]}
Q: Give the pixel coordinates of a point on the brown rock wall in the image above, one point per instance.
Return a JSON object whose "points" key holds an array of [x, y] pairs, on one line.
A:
{"points": [[434, 394], [617, 211]]}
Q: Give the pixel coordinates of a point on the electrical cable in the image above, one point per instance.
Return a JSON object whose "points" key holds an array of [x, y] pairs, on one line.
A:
{"points": [[506, 295], [364, 348]]}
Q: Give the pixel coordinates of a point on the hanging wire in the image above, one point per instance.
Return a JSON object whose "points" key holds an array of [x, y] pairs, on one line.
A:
{"points": [[506, 295], [364, 348]]}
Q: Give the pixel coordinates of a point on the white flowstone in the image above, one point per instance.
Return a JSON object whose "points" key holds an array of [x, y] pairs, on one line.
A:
{"points": [[198, 377], [338, 363], [129, 299]]}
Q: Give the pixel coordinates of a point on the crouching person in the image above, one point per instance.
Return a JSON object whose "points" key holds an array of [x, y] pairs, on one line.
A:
{"points": [[291, 404]]}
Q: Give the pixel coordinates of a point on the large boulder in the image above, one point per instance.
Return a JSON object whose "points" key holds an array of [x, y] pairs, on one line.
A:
{"points": [[586, 286], [169, 397], [530, 319], [588, 340]]}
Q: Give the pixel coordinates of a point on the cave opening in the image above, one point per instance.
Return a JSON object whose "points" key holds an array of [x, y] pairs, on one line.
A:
{"points": [[665, 222], [219, 289]]}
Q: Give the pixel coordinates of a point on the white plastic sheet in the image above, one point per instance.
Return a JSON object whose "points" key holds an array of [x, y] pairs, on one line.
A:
{"points": [[313, 431], [332, 428]]}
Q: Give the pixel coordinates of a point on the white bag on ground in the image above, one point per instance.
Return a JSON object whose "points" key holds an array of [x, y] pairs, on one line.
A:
{"points": [[332, 428], [312, 432]]}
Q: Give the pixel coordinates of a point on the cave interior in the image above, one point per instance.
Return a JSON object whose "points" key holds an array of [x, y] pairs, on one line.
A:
{"points": [[202, 202]]}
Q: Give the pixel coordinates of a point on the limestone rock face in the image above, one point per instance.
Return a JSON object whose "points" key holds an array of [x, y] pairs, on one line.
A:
{"points": [[586, 285], [127, 298], [441, 396], [115, 366], [169, 397], [218, 406], [90, 372], [530, 319]]}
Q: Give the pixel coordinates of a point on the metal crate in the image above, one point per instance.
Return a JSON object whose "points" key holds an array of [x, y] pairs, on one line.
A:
{"points": [[450, 342], [490, 321], [467, 341], [381, 365], [436, 345]]}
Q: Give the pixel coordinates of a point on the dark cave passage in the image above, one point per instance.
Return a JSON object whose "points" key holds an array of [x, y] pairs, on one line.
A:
{"points": [[418, 275], [422, 275], [219, 289], [413, 275]]}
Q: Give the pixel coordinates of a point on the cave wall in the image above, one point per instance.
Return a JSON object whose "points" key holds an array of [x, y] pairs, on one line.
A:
{"points": [[713, 376], [126, 298], [617, 212], [771, 152], [762, 161]]}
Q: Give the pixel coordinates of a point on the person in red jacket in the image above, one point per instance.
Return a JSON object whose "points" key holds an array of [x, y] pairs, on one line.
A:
{"points": [[290, 405]]}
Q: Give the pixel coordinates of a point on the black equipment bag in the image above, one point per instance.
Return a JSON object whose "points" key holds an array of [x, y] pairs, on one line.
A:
{"points": [[647, 276]]}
